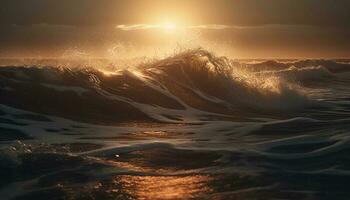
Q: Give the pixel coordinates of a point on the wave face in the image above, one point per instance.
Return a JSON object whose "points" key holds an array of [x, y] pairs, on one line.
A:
{"points": [[190, 126], [194, 82]]}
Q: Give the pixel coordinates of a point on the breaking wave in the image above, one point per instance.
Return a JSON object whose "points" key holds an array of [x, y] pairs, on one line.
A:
{"points": [[188, 85]]}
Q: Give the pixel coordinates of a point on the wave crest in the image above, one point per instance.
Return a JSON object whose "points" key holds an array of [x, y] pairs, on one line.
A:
{"points": [[188, 85]]}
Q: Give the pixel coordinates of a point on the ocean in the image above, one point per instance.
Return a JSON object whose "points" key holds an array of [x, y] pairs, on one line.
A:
{"points": [[190, 126]]}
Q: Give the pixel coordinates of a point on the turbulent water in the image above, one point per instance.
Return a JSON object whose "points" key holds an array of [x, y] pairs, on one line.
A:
{"points": [[191, 126]]}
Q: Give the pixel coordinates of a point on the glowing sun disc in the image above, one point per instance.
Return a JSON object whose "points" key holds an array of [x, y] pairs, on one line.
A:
{"points": [[169, 26]]}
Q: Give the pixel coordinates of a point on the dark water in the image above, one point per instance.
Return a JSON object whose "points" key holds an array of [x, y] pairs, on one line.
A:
{"points": [[192, 126]]}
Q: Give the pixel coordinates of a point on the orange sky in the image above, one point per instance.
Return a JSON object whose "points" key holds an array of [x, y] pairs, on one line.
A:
{"points": [[238, 28]]}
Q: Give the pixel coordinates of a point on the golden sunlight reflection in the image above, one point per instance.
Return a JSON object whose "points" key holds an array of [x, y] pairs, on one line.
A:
{"points": [[164, 187]]}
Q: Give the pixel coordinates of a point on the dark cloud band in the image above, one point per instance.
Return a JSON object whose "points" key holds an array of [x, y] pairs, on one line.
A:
{"points": [[231, 12]]}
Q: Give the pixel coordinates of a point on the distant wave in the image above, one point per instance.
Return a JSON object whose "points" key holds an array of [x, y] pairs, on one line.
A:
{"points": [[331, 65], [302, 74]]}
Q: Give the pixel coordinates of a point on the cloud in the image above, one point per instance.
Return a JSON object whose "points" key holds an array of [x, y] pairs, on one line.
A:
{"points": [[139, 27], [325, 13], [211, 26], [133, 27]]}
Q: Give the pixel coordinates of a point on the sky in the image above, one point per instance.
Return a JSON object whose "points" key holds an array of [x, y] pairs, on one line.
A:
{"points": [[239, 28]]}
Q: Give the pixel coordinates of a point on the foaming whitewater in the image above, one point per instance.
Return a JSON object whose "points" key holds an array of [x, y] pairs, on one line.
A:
{"points": [[189, 126]]}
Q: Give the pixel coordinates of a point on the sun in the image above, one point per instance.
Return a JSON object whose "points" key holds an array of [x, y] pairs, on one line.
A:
{"points": [[168, 26]]}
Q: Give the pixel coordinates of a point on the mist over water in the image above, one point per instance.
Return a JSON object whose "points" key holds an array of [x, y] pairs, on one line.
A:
{"points": [[192, 125]]}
